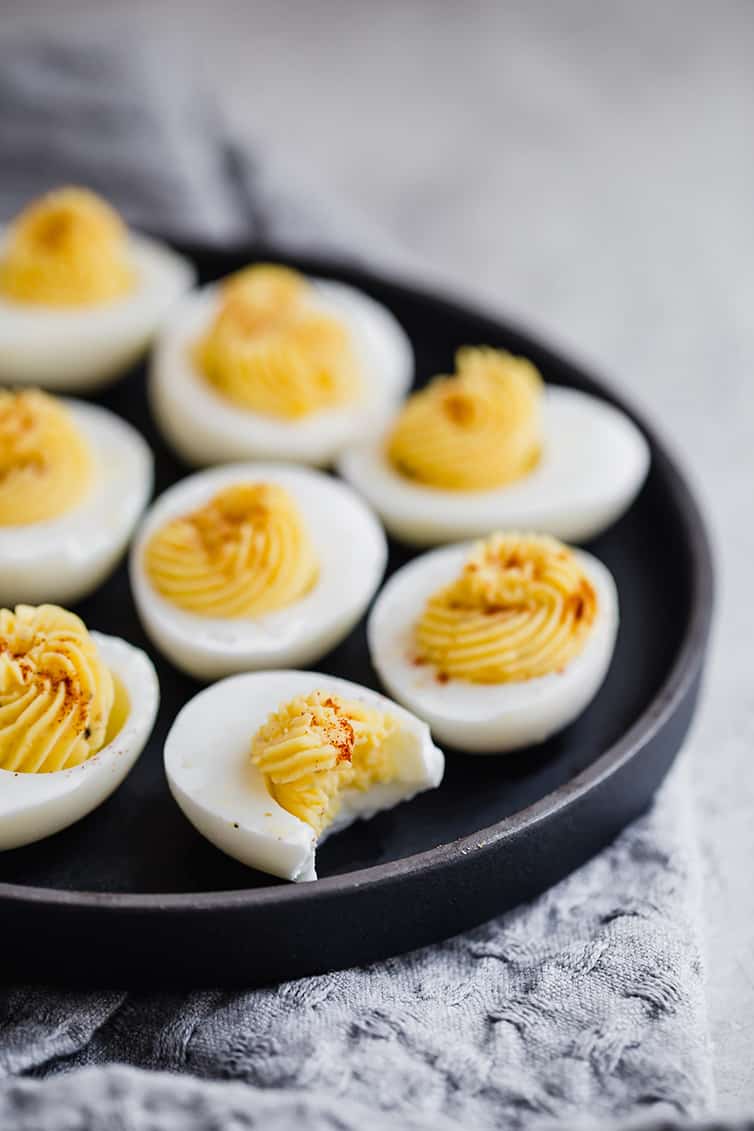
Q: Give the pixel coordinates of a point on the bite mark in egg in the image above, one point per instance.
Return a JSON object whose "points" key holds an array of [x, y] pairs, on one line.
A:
{"points": [[264, 766]]}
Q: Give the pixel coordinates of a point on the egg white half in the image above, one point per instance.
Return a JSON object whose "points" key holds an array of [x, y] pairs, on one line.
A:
{"points": [[33, 806], [62, 559], [76, 349], [204, 427], [211, 776], [593, 464], [474, 717], [351, 550]]}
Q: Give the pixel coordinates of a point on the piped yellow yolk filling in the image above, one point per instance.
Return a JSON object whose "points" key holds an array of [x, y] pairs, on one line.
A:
{"points": [[271, 351], [475, 430], [316, 747], [69, 248], [45, 462], [244, 553], [522, 607], [56, 695]]}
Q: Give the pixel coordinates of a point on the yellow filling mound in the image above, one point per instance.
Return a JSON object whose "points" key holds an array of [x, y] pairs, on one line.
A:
{"points": [[270, 351], [522, 607], [478, 429], [312, 749], [69, 248], [56, 695], [45, 462], [244, 553]]}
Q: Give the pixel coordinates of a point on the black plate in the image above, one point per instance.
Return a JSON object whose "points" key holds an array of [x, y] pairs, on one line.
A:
{"points": [[132, 894]]}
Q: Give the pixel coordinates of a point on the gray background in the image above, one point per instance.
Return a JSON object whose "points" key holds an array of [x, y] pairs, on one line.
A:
{"points": [[586, 167]]}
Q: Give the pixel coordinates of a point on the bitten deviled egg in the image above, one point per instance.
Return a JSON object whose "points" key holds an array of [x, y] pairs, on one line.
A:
{"points": [[76, 709], [496, 645], [267, 764], [74, 479], [492, 446], [80, 296], [272, 365], [253, 566]]}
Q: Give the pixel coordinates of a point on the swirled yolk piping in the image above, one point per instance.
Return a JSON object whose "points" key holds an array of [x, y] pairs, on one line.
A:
{"points": [[476, 430], [270, 350], [522, 607], [315, 747], [69, 248], [244, 553], [45, 462], [56, 694]]}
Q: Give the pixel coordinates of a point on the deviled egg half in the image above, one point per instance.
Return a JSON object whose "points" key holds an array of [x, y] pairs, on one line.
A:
{"points": [[254, 566], [492, 446], [80, 296], [496, 645], [270, 364], [76, 709], [267, 764], [74, 480]]}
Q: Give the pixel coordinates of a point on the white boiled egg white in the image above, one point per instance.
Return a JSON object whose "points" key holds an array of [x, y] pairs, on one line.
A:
{"points": [[211, 775], [35, 805], [62, 559], [205, 428], [351, 550], [475, 717], [80, 348], [593, 464]]}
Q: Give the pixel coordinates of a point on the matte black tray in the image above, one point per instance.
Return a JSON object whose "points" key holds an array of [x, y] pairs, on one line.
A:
{"points": [[133, 895]]}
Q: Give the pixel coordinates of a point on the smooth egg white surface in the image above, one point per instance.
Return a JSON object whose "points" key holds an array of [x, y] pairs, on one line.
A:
{"points": [[33, 806], [60, 560], [211, 775], [351, 550], [594, 462], [77, 349], [475, 717], [204, 427]]}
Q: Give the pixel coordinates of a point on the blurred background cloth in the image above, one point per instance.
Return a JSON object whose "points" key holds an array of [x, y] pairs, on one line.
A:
{"points": [[117, 121], [584, 167]]}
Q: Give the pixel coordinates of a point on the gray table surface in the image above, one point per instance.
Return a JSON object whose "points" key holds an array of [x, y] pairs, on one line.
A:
{"points": [[587, 168]]}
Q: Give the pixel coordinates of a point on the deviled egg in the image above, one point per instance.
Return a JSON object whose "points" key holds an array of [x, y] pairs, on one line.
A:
{"points": [[267, 764], [254, 566], [76, 709], [272, 365], [80, 296], [496, 645], [74, 480], [492, 446]]}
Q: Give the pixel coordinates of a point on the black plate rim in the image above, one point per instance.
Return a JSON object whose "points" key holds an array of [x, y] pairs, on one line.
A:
{"points": [[677, 684]]}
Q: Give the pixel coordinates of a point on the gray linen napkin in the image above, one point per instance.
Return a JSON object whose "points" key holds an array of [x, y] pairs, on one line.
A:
{"points": [[580, 1008]]}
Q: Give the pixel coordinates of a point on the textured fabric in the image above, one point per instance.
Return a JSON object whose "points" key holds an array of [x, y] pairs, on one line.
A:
{"points": [[585, 1006], [123, 1099], [590, 1000]]}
